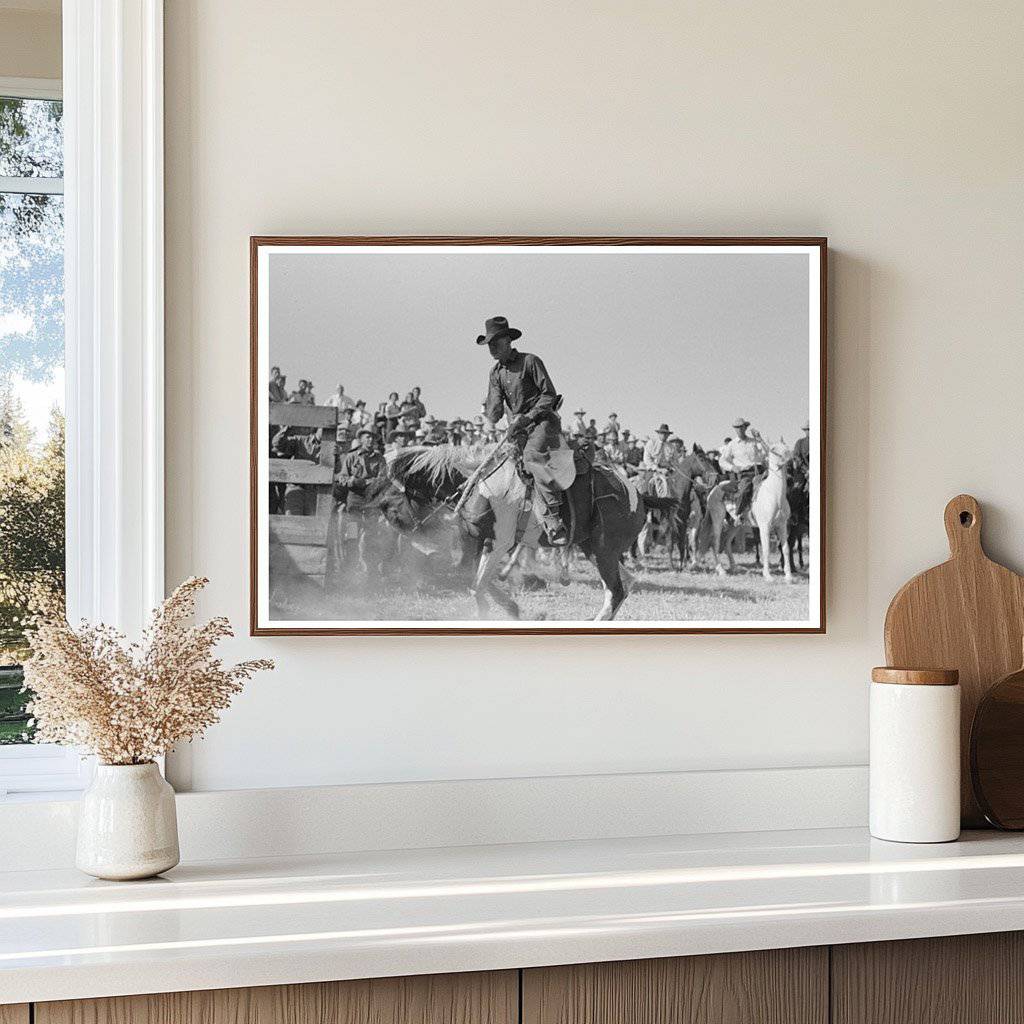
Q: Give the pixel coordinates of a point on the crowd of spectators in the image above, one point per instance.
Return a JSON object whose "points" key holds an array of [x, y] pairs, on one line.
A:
{"points": [[396, 423]]}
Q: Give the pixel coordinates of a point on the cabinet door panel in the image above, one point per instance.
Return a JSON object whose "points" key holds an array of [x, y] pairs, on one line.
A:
{"points": [[478, 998], [960, 979], [14, 1013], [779, 986]]}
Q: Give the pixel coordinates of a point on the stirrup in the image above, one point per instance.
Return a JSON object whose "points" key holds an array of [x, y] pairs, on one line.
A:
{"points": [[558, 535]]}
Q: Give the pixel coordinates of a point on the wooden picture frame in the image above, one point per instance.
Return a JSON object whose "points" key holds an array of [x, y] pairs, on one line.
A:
{"points": [[314, 479]]}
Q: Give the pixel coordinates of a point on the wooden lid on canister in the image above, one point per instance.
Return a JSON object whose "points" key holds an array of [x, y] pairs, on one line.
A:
{"points": [[916, 676]]}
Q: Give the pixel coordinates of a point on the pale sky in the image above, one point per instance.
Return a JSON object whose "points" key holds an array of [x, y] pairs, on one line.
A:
{"points": [[690, 339], [38, 398]]}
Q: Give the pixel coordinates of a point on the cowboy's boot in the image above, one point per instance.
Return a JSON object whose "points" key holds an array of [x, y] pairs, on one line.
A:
{"points": [[555, 528]]}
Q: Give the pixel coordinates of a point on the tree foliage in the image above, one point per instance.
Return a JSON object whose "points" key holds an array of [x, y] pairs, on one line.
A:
{"points": [[31, 523]]}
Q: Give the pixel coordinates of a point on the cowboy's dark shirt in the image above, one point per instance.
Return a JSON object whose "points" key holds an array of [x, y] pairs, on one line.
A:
{"points": [[522, 384]]}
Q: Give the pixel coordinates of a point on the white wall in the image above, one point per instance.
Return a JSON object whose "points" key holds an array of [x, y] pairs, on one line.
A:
{"points": [[895, 129]]}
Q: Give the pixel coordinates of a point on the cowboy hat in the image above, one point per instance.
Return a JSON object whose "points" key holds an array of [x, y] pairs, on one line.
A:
{"points": [[807, 425], [580, 412], [663, 429], [364, 430], [676, 439], [497, 327], [740, 422]]}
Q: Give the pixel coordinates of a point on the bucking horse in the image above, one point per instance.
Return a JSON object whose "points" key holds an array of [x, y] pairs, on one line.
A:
{"points": [[604, 513]]}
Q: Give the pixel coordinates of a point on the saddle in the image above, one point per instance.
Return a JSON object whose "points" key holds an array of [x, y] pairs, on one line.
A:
{"points": [[594, 484], [589, 483]]}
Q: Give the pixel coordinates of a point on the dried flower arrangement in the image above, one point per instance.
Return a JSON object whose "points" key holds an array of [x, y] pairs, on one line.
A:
{"points": [[129, 703]]}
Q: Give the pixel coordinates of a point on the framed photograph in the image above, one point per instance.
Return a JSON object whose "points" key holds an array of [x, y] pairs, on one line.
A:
{"points": [[537, 435]]}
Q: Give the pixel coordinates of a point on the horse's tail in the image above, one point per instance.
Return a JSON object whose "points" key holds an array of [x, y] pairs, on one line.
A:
{"points": [[702, 540]]}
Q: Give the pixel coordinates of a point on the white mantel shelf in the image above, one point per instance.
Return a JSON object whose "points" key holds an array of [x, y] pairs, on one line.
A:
{"points": [[223, 924]]}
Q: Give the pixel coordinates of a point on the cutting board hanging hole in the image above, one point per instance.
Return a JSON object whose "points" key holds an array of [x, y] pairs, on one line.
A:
{"points": [[963, 525]]}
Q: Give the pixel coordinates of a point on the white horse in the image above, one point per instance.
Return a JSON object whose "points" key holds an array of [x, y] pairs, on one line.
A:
{"points": [[770, 509], [721, 530]]}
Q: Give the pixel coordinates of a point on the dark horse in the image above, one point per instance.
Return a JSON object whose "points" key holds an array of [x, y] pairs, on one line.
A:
{"points": [[605, 521], [679, 483]]}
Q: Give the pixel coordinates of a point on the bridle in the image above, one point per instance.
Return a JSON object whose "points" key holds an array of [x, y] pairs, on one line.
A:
{"points": [[454, 498]]}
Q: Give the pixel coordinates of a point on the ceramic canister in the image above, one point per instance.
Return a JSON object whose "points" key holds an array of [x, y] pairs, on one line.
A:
{"points": [[915, 755]]}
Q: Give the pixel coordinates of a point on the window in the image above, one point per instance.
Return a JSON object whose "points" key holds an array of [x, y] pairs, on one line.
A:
{"points": [[32, 551], [111, 119]]}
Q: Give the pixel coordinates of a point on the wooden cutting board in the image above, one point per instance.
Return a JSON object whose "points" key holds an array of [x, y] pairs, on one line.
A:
{"points": [[967, 614]]}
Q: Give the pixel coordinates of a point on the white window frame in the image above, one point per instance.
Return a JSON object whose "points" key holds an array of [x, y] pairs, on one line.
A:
{"points": [[114, 329]]}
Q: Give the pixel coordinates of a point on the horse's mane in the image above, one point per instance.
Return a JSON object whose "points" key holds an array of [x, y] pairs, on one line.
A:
{"points": [[436, 462]]}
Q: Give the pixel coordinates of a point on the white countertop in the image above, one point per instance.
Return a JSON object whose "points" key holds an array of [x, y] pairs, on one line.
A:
{"points": [[270, 921]]}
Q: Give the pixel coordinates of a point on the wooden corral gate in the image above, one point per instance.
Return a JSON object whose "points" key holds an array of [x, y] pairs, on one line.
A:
{"points": [[301, 543]]}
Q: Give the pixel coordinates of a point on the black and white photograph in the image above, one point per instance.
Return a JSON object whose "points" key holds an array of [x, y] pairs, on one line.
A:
{"points": [[537, 435]]}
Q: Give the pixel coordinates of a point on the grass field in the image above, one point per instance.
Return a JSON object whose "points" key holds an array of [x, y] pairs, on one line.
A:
{"points": [[660, 594]]}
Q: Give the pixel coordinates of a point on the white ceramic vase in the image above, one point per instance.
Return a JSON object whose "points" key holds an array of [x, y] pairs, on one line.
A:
{"points": [[127, 825]]}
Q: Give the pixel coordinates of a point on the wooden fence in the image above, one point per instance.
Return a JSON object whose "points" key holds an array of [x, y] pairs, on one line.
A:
{"points": [[301, 540]]}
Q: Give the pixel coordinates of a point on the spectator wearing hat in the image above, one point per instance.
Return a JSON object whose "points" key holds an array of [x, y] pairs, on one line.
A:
{"points": [[360, 417], [612, 426], [657, 453], [578, 428], [358, 468], [741, 459], [613, 448], [345, 430], [624, 443], [397, 439]]}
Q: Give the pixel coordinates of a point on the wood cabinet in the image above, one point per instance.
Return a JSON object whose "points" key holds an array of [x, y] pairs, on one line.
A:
{"points": [[777, 986], [968, 979], [962, 979], [478, 998]]}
